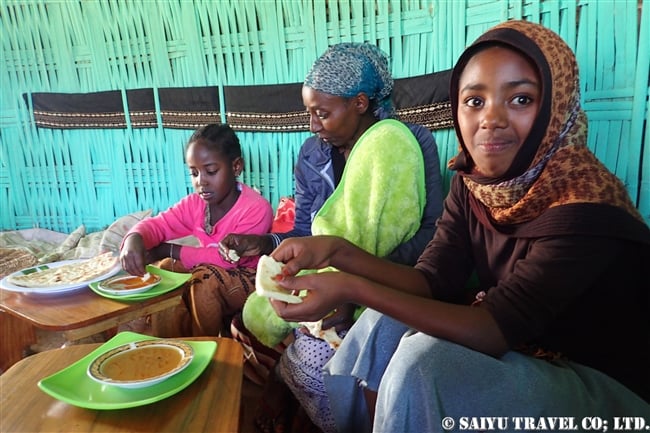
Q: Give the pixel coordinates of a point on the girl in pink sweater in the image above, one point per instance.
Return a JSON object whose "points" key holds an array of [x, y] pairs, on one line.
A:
{"points": [[219, 205]]}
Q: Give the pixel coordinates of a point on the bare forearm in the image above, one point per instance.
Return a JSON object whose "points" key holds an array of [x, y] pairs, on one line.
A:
{"points": [[353, 260], [469, 326]]}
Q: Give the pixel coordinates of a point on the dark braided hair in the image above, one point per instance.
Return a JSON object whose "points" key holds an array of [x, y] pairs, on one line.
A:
{"points": [[219, 137]]}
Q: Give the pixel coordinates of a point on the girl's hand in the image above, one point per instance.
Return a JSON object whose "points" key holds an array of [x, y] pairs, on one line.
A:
{"points": [[133, 255], [310, 252], [326, 292], [244, 245]]}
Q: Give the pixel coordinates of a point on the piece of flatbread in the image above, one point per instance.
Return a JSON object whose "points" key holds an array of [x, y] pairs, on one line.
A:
{"points": [[71, 273], [329, 335], [228, 254], [265, 285]]}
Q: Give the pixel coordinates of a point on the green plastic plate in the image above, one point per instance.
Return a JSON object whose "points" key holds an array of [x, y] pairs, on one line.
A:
{"points": [[170, 281], [73, 385]]}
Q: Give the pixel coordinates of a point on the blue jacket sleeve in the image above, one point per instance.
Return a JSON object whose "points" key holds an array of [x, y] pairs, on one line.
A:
{"points": [[313, 185]]}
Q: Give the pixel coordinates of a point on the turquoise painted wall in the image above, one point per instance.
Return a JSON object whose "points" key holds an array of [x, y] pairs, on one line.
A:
{"points": [[59, 179]]}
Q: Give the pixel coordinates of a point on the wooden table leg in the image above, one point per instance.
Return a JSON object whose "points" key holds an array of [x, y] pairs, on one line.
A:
{"points": [[16, 336]]}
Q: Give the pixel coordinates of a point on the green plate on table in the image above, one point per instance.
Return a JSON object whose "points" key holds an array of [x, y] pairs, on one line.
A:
{"points": [[170, 281], [73, 385]]}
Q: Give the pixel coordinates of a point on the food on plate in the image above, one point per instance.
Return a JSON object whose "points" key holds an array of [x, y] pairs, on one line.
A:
{"points": [[266, 284], [71, 273], [131, 282], [142, 363]]}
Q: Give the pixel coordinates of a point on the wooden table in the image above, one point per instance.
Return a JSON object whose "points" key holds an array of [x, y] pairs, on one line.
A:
{"points": [[77, 314], [210, 404]]}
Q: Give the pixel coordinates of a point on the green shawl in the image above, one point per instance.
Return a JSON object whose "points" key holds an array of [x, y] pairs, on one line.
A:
{"points": [[379, 202], [377, 206]]}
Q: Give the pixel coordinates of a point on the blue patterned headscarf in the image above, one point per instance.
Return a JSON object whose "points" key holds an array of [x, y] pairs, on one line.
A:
{"points": [[350, 68]]}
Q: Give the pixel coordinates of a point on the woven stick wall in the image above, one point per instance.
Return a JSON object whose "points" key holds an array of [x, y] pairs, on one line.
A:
{"points": [[61, 178]]}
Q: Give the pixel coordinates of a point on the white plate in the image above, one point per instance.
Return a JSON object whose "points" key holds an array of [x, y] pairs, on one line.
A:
{"points": [[128, 284], [141, 363], [5, 284]]}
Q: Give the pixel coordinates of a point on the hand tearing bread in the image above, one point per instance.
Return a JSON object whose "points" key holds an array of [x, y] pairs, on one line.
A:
{"points": [[265, 281], [265, 285], [228, 254]]}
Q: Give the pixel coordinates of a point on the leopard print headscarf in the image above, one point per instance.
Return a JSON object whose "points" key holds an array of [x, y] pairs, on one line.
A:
{"points": [[554, 166]]}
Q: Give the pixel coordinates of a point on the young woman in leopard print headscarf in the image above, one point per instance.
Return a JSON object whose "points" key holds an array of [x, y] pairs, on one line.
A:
{"points": [[557, 323]]}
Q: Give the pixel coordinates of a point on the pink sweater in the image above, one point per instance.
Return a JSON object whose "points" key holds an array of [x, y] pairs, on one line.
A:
{"points": [[251, 214]]}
